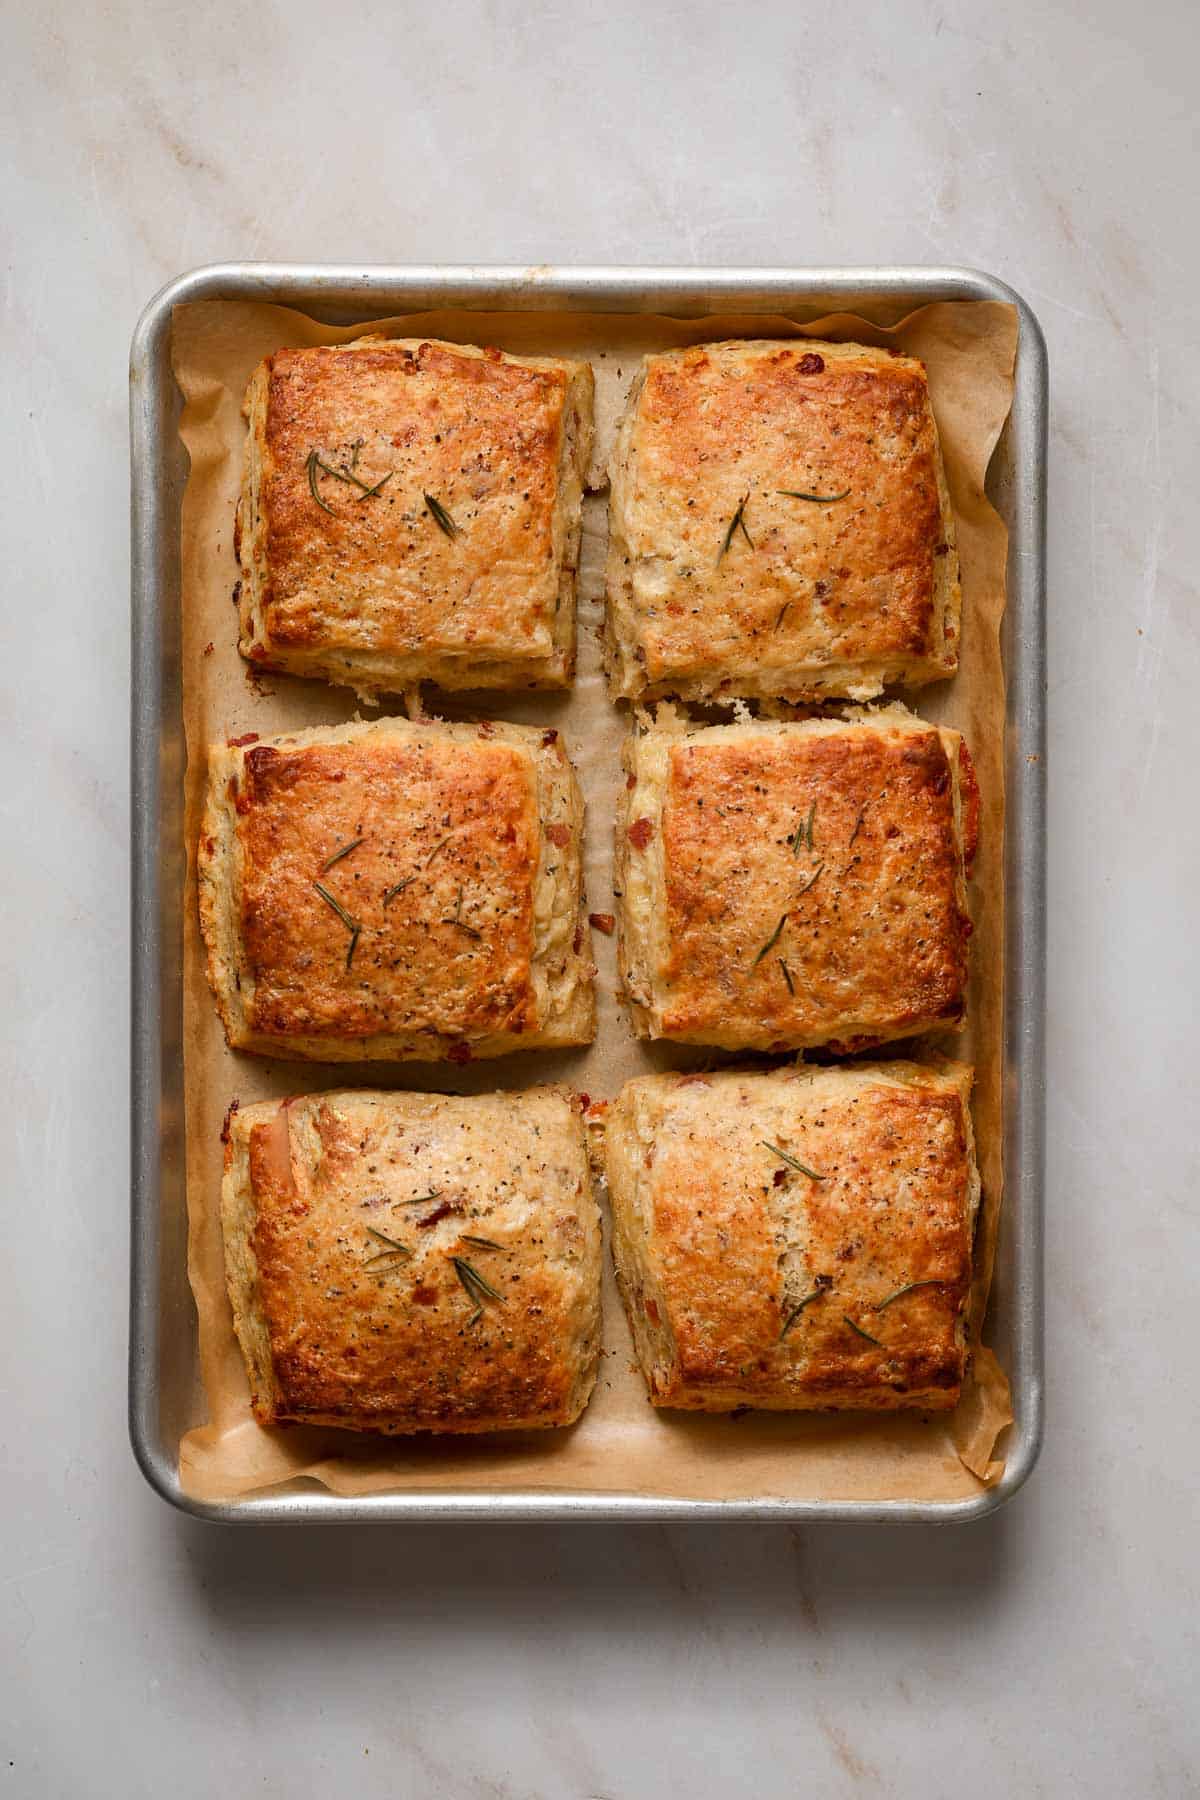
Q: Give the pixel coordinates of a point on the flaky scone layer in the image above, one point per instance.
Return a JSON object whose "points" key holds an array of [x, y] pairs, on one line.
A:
{"points": [[796, 1239], [403, 1262], [406, 889], [411, 512], [779, 524], [787, 885]]}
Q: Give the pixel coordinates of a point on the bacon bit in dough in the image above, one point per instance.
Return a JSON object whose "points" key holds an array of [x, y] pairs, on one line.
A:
{"points": [[640, 833], [440, 1212], [276, 1143], [603, 922], [968, 785]]}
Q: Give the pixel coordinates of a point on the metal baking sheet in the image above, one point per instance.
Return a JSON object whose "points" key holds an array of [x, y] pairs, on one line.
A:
{"points": [[165, 1398]]}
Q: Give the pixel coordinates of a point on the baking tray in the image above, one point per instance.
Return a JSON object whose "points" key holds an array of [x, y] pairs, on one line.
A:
{"points": [[165, 1399]]}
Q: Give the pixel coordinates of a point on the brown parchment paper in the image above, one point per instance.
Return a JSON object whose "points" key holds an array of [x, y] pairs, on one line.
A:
{"points": [[620, 1445]]}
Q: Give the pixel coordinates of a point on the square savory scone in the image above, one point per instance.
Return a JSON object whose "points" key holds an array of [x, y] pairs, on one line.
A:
{"points": [[798, 1239], [788, 885], [414, 1262], [779, 525], [411, 512], [405, 889]]}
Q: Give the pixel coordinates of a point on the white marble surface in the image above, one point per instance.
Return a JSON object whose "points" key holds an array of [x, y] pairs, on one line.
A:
{"points": [[1051, 1651]]}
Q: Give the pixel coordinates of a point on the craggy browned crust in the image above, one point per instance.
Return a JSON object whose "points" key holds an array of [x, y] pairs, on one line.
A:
{"points": [[744, 925], [722, 582], [751, 1282], [367, 589], [453, 928], [343, 1214]]}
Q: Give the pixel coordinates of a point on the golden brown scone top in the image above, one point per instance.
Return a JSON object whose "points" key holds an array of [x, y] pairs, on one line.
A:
{"points": [[844, 1285], [440, 884], [376, 1337], [786, 528], [478, 435], [813, 884]]}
